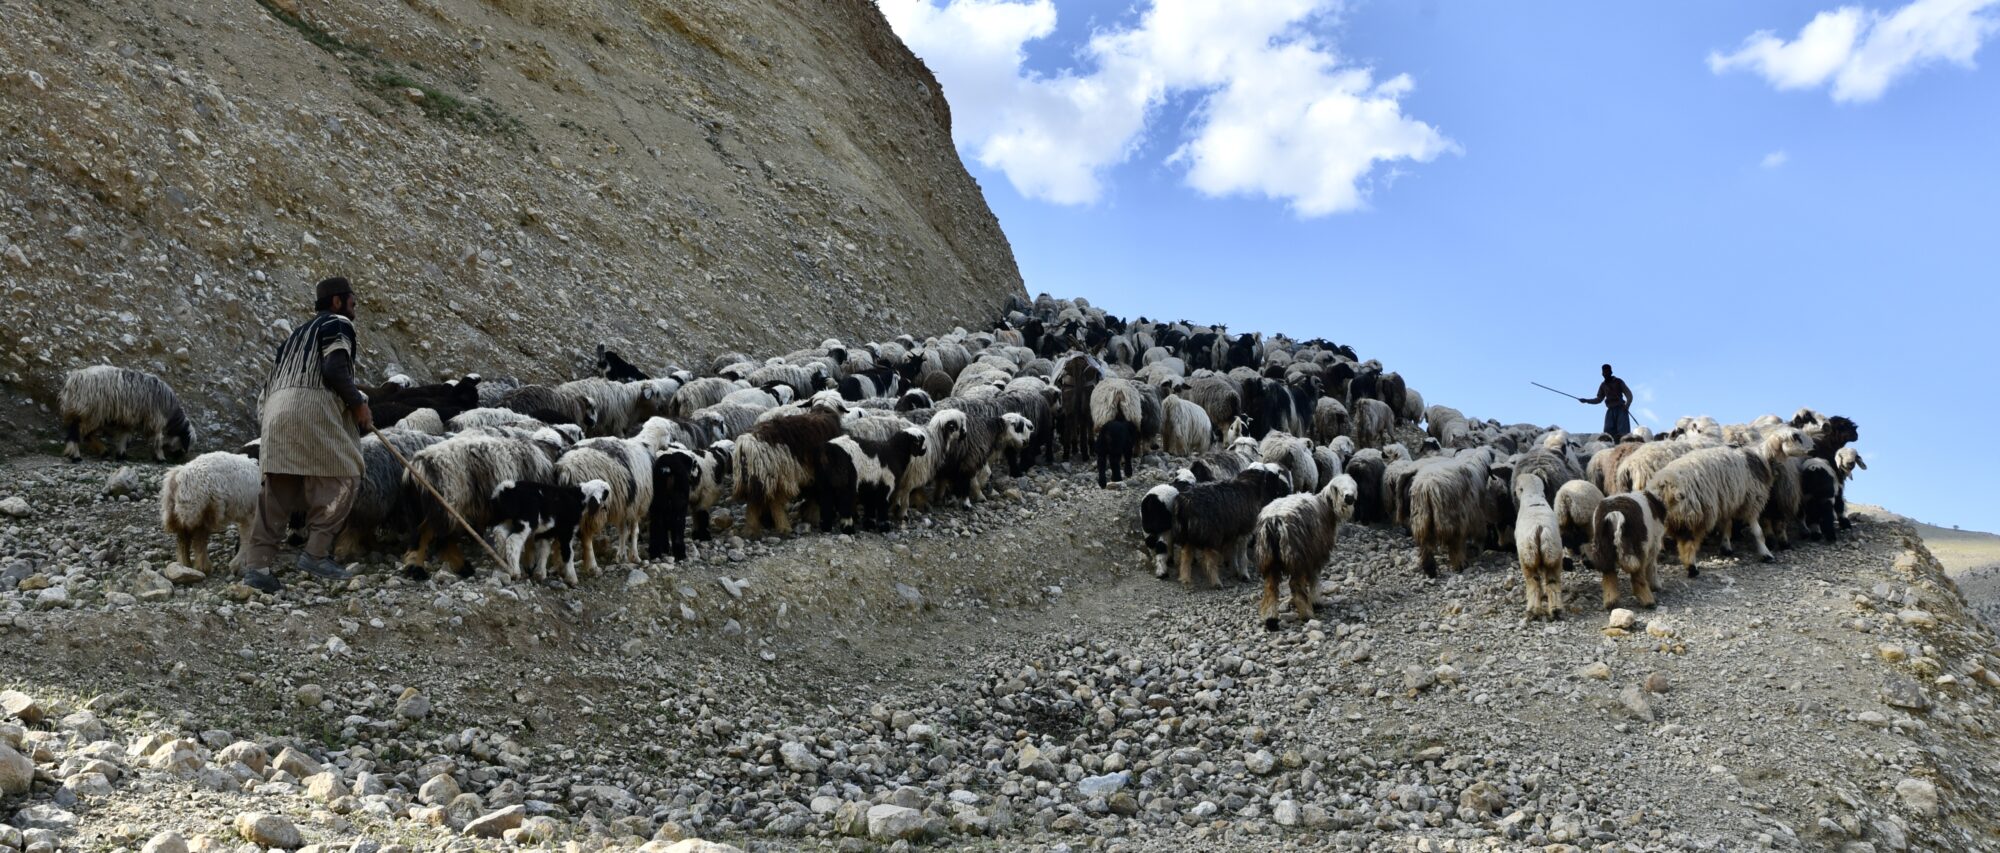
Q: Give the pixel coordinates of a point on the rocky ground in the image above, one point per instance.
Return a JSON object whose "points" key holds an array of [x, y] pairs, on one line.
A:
{"points": [[1010, 677]]}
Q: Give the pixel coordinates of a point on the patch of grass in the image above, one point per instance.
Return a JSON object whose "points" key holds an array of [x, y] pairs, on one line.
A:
{"points": [[320, 38], [477, 115]]}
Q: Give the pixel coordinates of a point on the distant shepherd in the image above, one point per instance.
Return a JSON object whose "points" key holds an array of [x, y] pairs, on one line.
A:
{"points": [[1617, 400]]}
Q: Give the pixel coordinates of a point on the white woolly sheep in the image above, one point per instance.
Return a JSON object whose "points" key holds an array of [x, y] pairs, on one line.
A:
{"points": [[425, 421], [465, 469], [627, 465], [1294, 455], [1184, 427], [122, 402], [1446, 510], [700, 394], [1576, 510], [205, 496], [1538, 545], [778, 460], [1709, 490], [1293, 538], [1329, 420]]}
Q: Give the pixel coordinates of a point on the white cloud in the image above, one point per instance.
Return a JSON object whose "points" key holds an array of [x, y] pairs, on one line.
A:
{"points": [[1276, 113], [1775, 159], [1861, 51]]}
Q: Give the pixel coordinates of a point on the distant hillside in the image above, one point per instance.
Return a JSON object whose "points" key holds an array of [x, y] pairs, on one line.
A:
{"points": [[508, 182]]}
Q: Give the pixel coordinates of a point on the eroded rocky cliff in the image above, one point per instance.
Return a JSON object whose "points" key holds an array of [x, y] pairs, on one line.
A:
{"points": [[509, 183]]}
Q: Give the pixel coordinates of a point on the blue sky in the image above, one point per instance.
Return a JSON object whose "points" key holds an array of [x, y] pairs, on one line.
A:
{"points": [[1741, 226]]}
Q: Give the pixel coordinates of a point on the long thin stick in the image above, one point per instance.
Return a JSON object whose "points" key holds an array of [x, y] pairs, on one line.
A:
{"points": [[440, 498], [1547, 388]]}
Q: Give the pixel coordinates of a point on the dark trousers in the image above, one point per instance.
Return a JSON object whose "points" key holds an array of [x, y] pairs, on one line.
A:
{"points": [[324, 501], [1617, 421]]}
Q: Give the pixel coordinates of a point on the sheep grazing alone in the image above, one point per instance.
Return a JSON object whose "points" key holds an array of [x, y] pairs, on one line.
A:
{"points": [[1446, 510], [120, 402], [1628, 531], [778, 461], [1711, 489], [1293, 539], [1213, 518], [1576, 513], [205, 496], [1538, 545]]}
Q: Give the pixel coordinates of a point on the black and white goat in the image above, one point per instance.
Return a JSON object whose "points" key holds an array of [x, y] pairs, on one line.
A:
{"points": [[546, 515], [1211, 519], [1626, 535], [857, 478]]}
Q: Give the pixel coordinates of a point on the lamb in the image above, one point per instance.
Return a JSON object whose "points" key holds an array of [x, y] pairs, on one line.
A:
{"points": [[1373, 420], [1211, 518], [1445, 508], [1294, 537], [627, 465], [1538, 545], [1708, 489], [203, 497], [1294, 455], [379, 501], [1627, 533], [120, 401], [546, 514], [1819, 487], [778, 461], [466, 469], [1032, 404], [858, 478], [1576, 512]]}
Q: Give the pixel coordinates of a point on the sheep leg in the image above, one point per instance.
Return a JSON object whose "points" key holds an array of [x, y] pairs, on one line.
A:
{"points": [[1302, 595], [1609, 581], [1757, 539], [592, 526], [1267, 607], [1552, 590], [1211, 560], [73, 442], [569, 556], [181, 555], [753, 519], [159, 445], [118, 445], [1643, 583], [1187, 566], [1689, 547], [454, 558], [701, 519], [1531, 581], [1427, 561], [781, 519]]}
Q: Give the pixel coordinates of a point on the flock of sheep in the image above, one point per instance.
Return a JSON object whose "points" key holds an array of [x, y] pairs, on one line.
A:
{"points": [[1283, 441]]}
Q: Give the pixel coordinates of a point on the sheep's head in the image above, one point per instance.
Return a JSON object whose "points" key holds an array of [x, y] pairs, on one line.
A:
{"points": [[1527, 487], [917, 439], [1787, 442], [1345, 493], [950, 429], [1018, 430], [179, 436], [595, 494]]}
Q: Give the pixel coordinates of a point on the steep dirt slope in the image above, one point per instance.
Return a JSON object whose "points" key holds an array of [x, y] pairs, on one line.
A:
{"points": [[509, 181]]}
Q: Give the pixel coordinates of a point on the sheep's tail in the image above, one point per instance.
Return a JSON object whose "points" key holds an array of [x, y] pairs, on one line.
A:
{"points": [[1610, 539]]}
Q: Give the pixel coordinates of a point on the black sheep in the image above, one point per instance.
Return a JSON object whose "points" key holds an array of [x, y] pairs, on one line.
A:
{"points": [[616, 369], [1819, 488], [542, 513], [1215, 517], [674, 473], [1114, 445]]}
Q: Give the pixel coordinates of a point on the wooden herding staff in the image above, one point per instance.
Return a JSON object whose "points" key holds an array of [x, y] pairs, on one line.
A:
{"points": [[440, 498]]}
